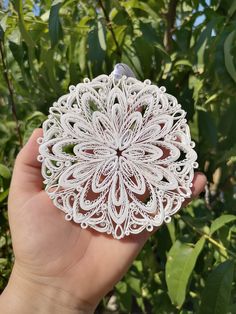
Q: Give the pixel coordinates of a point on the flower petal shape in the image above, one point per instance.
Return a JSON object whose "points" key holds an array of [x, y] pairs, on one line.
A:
{"points": [[117, 155]]}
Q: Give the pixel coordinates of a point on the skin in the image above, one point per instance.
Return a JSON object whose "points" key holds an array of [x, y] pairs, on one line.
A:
{"points": [[59, 267]]}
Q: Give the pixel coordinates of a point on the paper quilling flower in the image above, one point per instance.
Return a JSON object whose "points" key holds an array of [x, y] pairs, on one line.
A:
{"points": [[117, 155]]}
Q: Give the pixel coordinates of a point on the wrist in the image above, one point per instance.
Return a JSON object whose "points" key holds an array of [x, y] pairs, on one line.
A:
{"points": [[26, 296]]}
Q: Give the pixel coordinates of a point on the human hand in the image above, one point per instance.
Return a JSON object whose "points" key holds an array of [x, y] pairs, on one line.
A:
{"points": [[59, 267]]}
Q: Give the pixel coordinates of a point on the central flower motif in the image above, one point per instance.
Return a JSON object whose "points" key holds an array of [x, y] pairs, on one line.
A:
{"points": [[117, 156]]}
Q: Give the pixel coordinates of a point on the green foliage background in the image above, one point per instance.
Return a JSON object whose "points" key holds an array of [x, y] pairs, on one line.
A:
{"points": [[190, 47]]}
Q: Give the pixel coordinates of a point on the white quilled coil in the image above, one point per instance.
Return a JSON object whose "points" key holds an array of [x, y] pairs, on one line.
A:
{"points": [[117, 154]]}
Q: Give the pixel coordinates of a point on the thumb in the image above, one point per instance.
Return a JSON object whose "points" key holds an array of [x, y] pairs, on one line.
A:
{"points": [[27, 176]]}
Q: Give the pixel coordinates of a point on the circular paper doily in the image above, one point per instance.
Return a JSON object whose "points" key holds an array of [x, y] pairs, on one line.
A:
{"points": [[117, 155]]}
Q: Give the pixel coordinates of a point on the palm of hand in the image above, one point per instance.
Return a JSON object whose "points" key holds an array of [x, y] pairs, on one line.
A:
{"points": [[56, 252]]}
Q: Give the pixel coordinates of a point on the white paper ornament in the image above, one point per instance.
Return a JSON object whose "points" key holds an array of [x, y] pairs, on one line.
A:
{"points": [[110, 141]]}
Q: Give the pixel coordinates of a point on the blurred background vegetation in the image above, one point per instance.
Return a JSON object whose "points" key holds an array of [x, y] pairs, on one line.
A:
{"points": [[190, 47]]}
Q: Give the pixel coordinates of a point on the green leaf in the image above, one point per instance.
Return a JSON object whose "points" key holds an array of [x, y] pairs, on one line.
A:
{"points": [[220, 222], [135, 284], [181, 260], [121, 286], [82, 51], [162, 50], [54, 24], [229, 59], [17, 52], [3, 262], [232, 9], [4, 195], [207, 128], [47, 58], [232, 309], [217, 291], [95, 52], [1, 33], [25, 34], [171, 228], [183, 62], [3, 22], [120, 33], [32, 122], [55, 2], [2, 241], [196, 84], [200, 47], [136, 4], [139, 265], [102, 35], [5, 172], [27, 38], [124, 296], [143, 54], [3, 26]]}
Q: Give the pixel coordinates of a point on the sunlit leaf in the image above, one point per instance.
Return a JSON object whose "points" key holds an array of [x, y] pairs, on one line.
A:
{"points": [[102, 35], [220, 222], [4, 195], [4, 171], [180, 264]]}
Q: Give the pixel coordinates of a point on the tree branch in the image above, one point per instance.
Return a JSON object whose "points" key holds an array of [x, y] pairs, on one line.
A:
{"points": [[109, 25], [170, 21], [10, 90], [220, 246]]}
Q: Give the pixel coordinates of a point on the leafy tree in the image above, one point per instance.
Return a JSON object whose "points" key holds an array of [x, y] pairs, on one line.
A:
{"points": [[190, 47]]}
